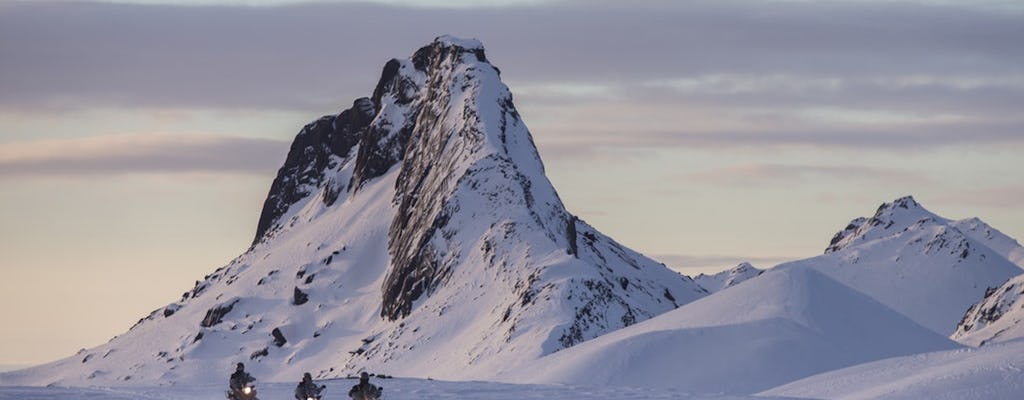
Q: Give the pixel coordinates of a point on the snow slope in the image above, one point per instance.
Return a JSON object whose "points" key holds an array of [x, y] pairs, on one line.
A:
{"points": [[999, 317], [728, 278], [784, 325], [993, 372], [413, 234], [915, 262]]}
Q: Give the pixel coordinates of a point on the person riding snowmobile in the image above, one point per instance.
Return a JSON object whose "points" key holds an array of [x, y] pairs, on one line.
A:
{"points": [[241, 384], [307, 389], [365, 390]]}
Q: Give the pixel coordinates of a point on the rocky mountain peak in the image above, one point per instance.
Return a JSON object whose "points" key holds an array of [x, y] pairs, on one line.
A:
{"points": [[889, 218]]}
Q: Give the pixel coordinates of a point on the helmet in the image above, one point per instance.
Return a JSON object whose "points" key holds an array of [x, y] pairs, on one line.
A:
{"points": [[240, 367], [307, 377], [363, 376]]}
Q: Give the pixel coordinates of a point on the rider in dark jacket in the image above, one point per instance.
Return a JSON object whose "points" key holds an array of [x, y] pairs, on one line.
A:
{"points": [[239, 379], [307, 389], [365, 390]]}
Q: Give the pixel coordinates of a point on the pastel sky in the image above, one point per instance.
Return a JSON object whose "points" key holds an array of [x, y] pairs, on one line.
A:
{"points": [[138, 139]]}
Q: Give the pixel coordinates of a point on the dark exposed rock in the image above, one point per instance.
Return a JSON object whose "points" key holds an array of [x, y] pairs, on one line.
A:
{"points": [[383, 145], [215, 315], [279, 339], [570, 232], [299, 297], [316, 149], [259, 353]]}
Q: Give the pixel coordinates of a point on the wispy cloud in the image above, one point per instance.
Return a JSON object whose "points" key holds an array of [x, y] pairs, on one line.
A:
{"points": [[135, 154], [305, 55], [775, 174], [1006, 197]]}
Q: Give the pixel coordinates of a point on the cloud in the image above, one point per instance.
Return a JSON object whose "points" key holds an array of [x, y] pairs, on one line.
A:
{"points": [[1005, 197], [300, 56], [137, 154], [774, 174]]}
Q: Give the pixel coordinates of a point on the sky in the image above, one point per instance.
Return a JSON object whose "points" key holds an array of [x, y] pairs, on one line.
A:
{"points": [[138, 139]]}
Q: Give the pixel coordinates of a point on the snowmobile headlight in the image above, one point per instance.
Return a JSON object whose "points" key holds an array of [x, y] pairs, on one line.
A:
{"points": [[247, 390]]}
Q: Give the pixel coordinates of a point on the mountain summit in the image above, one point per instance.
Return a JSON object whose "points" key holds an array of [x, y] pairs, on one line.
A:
{"points": [[414, 234]]}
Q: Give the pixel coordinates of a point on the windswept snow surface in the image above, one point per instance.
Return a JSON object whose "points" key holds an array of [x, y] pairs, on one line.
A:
{"points": [[989, 373], [394, 389], [778, 327]]}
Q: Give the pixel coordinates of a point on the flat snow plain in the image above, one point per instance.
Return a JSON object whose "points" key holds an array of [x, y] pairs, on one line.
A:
{"points": [[394, 389]]}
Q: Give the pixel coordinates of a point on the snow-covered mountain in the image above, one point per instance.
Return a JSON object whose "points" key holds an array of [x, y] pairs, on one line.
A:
{"points": [[413, 234], [999, 317], [917, 263], [783, 325], [725, 279]]}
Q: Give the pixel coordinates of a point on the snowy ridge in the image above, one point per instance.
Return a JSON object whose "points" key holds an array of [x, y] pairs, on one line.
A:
{"points": [[780, 326], [997, 241], [999, 317], [414, 234], [914, 261], [987, 373], [727, 279]]}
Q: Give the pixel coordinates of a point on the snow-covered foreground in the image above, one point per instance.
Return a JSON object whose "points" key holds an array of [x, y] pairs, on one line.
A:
{"points": [[988, 373], [394, 389]]}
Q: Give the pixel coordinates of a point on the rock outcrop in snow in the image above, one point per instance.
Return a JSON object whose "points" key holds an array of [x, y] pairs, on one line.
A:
{"points": [[413, 234], [999, 317]]}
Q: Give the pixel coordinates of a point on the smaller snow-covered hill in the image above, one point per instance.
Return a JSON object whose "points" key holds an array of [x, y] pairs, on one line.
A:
{"points": [[999, 317], [916, 262], [729, 278], [987, 373], [781, 326]]}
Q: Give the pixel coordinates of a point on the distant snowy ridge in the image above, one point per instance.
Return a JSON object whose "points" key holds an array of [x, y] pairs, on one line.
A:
{"points": [[916, 262], [414, 234], [725, 279]]}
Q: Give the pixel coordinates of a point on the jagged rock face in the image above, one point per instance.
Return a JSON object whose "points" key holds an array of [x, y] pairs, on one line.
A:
{"points": [[319, 147], [999, 317], [467, 128]]}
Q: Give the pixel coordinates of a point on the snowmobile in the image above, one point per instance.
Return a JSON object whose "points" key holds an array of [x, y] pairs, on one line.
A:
{"points": [[248, 392], [317, 396], [368, 394]]}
